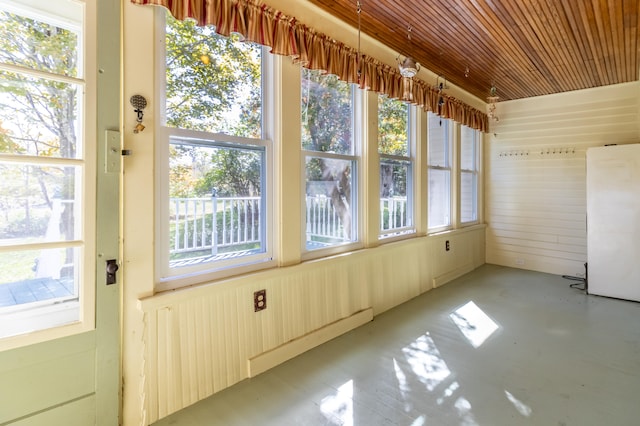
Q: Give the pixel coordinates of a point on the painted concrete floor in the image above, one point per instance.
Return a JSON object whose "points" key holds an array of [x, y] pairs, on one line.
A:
{"points": [[499, 346]]}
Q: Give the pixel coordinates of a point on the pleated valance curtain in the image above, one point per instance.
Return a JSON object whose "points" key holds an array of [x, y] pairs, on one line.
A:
{"points": [[264, 25]]}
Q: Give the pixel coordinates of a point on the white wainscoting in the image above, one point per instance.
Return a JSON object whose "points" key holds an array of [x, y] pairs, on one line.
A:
{"points": [[535, 175], [200, 340]]}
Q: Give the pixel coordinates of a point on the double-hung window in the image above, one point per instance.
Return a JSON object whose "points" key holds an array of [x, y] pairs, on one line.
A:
{"points": [[439, 172], [396, 185], [47, 167], [469, 164], [330, 161], [214, 162]]}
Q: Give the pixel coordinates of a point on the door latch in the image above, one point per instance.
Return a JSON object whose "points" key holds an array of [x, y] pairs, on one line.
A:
{"points": [[112, 268]]}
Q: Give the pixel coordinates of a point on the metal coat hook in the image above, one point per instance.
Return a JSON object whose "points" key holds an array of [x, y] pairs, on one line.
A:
{"points": [[139, 103]]}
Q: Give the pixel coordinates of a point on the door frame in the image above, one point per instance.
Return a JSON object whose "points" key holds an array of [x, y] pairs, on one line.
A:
{"points": [[109, 213]]}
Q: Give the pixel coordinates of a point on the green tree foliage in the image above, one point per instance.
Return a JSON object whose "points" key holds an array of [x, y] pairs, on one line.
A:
{"points": [[213, 84], [392, 126], [42, 112], [39, 115], [327, 127], [7, 144], [326, 113], [393, 140], [234, 173], [212, 81]]}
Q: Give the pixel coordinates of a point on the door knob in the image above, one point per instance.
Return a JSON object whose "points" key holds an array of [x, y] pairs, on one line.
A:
{"points": [[112, 268]]}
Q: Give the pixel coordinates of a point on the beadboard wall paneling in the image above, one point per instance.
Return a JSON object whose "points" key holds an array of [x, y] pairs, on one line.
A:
{"points": [[535, 181], [198, 341]]}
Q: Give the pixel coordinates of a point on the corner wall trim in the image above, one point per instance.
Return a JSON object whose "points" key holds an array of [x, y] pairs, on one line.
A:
{"points": [[266, 360]]}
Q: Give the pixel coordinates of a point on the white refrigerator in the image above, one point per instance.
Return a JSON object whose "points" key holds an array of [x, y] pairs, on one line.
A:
{"points": [[613, 221]]}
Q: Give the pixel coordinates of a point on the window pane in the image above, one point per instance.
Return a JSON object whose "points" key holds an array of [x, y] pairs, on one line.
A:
{"points": [[213, 82], [439, 198], [438, 141], [40, 45], [39, 289], [468, 148], [38, 203], [395, 208], [326, 113], [216, 208], [393, 121], [41, 200], [468, 197], [38, 117], [469, 152], [329, 201], [38, 275]]}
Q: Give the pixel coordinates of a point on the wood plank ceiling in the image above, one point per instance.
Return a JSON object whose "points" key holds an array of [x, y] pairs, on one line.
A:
{"points": [[524, 47]]}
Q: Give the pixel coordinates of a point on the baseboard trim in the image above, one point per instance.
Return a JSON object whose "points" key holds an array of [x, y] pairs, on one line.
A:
{"points": [[452, 275], [267, 360]]}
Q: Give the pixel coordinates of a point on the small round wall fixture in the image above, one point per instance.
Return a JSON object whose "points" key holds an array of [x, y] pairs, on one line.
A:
{"points": [[139, 103]]}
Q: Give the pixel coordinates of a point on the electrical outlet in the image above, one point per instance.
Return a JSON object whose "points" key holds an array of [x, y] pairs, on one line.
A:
{"points": [[447, 246], [519, 261], [259, 300]]}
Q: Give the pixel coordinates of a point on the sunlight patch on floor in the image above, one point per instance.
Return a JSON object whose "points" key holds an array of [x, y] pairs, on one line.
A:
{"points": [[425, 361], [474, 324], [403, 385], [522, 408], [339, 406]]}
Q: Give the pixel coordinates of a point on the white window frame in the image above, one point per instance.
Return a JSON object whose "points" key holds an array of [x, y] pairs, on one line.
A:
{"points": [[358, 97], [171, 278], [40, 321], [449, 155], [408, 160], [475, 172]]}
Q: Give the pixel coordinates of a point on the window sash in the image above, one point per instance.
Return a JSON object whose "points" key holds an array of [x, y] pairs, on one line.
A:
{"points": [[178, 276], [438, 143], [52, 303], [400, 207], [212, 120], [440, 197], [306, 80], [406, 154], [469, 166], [323, 229], [468, 197], [439, 213]]}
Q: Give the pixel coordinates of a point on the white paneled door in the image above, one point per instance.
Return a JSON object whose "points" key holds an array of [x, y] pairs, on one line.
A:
{"points": [[60, 168]]}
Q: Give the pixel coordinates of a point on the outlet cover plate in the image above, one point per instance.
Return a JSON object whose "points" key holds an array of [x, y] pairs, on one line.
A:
{"points": [[259, 300]]}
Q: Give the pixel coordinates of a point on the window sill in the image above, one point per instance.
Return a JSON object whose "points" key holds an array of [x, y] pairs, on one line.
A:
{"points": [[462, 229]]}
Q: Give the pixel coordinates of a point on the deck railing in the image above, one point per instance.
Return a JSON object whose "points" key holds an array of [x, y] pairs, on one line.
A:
{"points": [[323, 221], [239, 223], [393, 213], [192, 223]]}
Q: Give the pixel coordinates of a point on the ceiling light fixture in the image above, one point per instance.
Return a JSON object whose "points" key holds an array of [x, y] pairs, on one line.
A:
{"points": [[492, 100], [408, 66]]}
